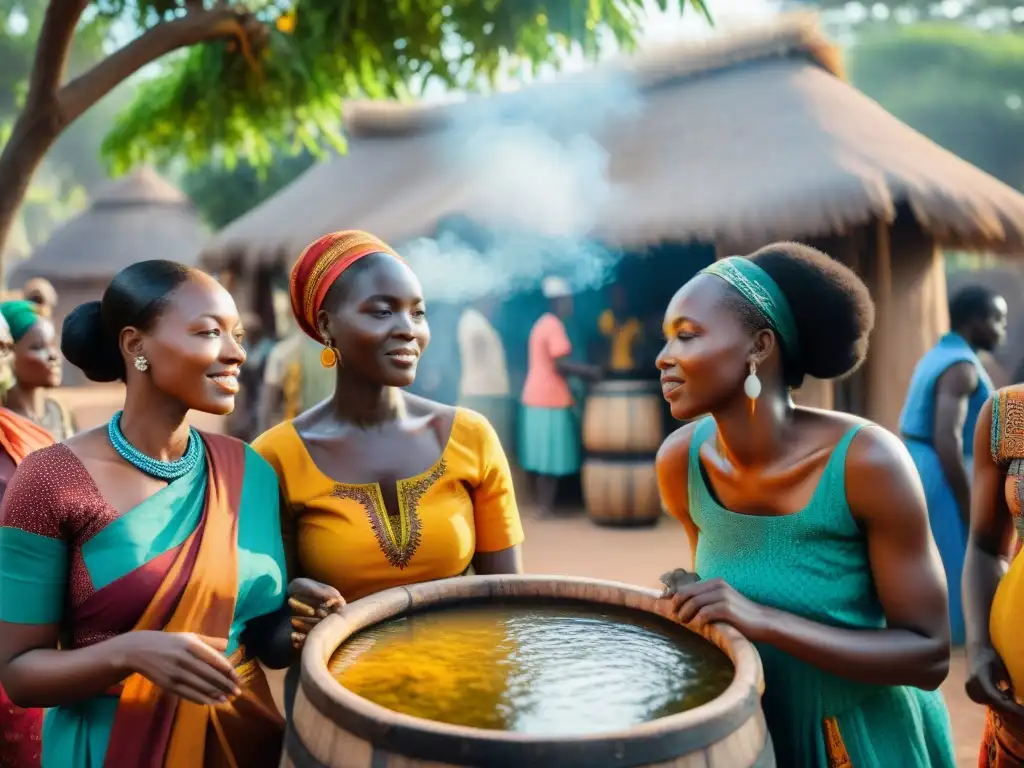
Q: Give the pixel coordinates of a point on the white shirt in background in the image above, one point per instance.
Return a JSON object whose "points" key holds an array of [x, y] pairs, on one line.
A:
{"points": [[484, 371]]}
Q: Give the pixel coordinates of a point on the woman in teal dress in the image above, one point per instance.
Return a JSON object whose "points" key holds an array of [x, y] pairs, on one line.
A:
{"points": [[141, 566], [808, 527]]}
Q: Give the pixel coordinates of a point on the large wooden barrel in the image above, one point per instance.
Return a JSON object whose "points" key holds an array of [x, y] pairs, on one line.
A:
{"points": [[331, 727], [622, 430]]}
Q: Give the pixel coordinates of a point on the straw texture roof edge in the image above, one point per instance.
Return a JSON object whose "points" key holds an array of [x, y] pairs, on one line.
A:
{"points": [[139, 216], [750, 137], [795, 34]]}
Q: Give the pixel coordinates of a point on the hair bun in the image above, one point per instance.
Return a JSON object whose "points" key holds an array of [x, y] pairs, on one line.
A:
{"points": [[832, 308], [87, 345]]}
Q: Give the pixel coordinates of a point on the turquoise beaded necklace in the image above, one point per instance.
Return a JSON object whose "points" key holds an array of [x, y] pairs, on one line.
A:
{"points": [[164, 470]]}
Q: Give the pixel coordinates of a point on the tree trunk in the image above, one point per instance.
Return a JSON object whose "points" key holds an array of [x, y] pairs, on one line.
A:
{"points": [[51, 108], [35, 131]]}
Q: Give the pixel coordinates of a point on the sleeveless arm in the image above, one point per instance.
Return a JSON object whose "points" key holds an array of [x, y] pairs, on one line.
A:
{"points": [[673, 468], [885, 496], [952, 392], [499, 528]]}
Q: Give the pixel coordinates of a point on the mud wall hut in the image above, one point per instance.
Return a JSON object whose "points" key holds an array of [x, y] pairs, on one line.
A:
{"points": [[140, 216], [733, 142]]}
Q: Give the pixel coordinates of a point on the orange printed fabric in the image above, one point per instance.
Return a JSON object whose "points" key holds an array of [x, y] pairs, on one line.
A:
{"points": [[20, 729], [320, 264], [155, 729], [1001, 746], [19, 437]]}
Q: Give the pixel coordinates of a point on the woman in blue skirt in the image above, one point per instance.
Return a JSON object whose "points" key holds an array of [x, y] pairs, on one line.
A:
{"points": [[549, 443]]}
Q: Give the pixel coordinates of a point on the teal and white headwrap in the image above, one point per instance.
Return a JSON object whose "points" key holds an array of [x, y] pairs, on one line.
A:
{"points": [[758, 287]]}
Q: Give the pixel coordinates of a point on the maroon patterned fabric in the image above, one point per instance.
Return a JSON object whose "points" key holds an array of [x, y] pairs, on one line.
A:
{"points": [[21, 735]]}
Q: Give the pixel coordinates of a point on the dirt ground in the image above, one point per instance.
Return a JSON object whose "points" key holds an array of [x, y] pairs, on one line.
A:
{"points": [[571, 545]]}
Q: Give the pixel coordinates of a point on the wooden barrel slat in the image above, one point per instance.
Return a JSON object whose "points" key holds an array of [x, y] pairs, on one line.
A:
{"points": [[623, 416], [333, 728], [622, 431], [621, 493]]}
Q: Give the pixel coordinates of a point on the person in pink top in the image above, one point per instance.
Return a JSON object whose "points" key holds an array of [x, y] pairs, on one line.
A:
{"points": [[549, 445]]}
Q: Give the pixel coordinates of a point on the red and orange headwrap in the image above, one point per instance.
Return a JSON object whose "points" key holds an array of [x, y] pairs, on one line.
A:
{"points": [[320, 264]]}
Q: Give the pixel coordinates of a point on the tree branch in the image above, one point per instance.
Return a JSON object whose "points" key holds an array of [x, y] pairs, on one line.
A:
{"points": [[53, 48], [197, 26]]}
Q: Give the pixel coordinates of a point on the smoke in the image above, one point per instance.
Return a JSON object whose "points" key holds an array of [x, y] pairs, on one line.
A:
{"points": [[535, 180]]}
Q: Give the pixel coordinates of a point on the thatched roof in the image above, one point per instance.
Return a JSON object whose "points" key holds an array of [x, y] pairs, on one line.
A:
{"points": [[749, 138], [140, 216]]}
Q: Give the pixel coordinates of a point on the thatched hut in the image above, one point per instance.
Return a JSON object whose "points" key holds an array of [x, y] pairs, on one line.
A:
{"points": [[140, 216], [735, 142]]}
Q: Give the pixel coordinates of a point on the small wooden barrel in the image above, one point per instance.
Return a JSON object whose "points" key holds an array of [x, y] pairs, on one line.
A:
{"points": [[621, 492], [623, 416], [331, 727], [622, 431]]}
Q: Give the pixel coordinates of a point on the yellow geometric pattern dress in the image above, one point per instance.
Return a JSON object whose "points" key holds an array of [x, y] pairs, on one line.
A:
{"points": [[344, 534]]}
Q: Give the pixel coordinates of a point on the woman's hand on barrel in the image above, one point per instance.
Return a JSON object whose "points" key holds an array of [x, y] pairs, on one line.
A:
{"points": [[705, 602], [191, 666], [310, 602]]}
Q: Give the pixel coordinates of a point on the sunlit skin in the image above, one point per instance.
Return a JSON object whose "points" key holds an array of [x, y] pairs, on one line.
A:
{"points": [[953, 390], [767, 459], [379, 325], [371, 431], [194, 353], [708, 352]]}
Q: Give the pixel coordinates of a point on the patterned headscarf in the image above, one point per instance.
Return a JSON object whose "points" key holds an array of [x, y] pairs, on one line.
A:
{"points": [[758, 287], [320, 265]]}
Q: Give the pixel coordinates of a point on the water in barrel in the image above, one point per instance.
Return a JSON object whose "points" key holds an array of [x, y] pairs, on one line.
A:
{"points": [[534, 668]]}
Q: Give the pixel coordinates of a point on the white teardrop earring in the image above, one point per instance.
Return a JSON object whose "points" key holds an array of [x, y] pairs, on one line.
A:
{"points": [[752, 384]]}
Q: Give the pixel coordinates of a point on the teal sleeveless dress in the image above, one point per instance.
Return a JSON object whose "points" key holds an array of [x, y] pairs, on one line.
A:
{"points": [[814, 563]]}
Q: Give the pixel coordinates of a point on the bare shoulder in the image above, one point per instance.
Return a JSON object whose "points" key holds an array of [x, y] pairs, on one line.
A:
{"points": [[674, 452], [881, 478], [437, 415], [90, 443], [418, 406], [960, 379]]}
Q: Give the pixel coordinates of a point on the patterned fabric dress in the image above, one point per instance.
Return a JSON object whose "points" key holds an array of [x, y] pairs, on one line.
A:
{"points": [[1003, 743], [68, 558], [346, 535], [21, 730], [814, 564]]}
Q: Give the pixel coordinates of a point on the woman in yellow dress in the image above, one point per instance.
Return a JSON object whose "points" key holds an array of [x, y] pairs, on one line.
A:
{"points": [[994, 595], [384, 488]]}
